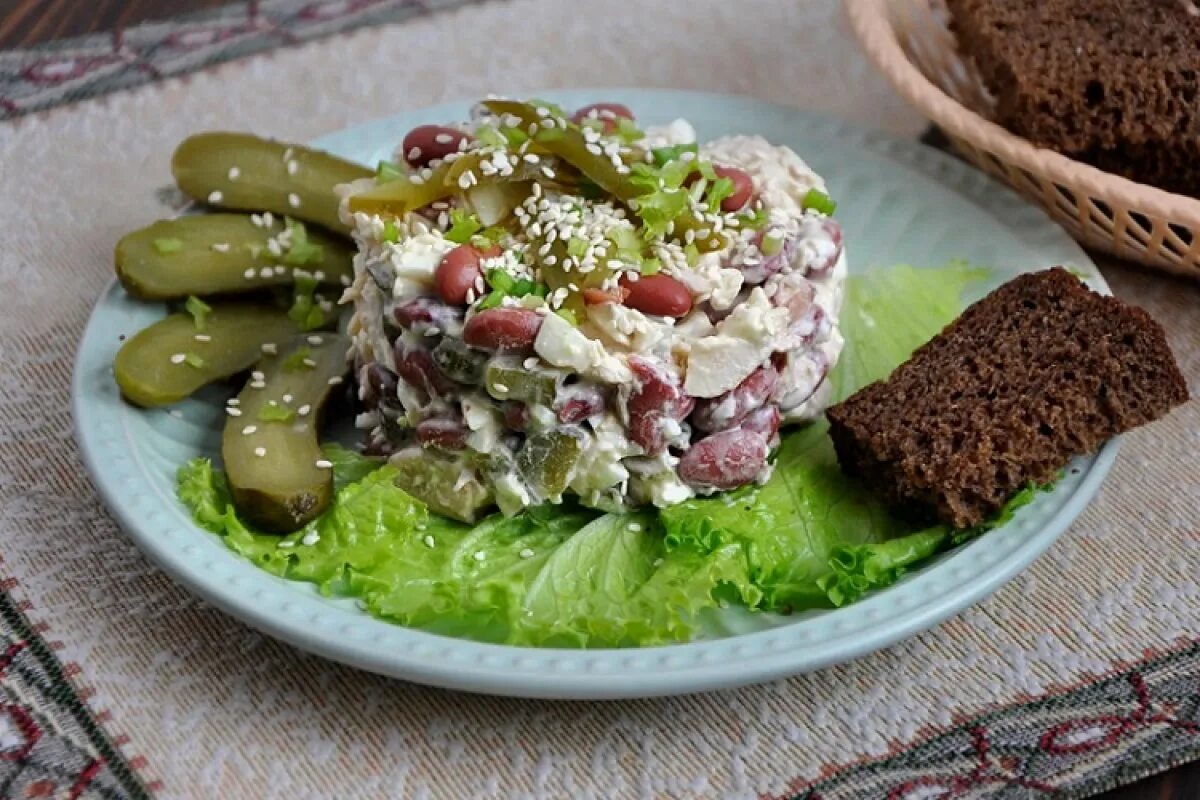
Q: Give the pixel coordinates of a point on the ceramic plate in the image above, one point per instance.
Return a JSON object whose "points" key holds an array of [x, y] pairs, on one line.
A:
{"points": [[898, 202]]}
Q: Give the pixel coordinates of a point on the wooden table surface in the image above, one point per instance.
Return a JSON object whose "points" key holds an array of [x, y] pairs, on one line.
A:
{"points": [[28, 22]]}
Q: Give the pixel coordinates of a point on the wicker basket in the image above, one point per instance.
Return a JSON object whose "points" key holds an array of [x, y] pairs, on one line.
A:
{"points": [[911, 42]]}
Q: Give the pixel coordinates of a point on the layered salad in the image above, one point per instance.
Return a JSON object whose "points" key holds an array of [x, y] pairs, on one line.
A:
{"points": [[555, 301]]}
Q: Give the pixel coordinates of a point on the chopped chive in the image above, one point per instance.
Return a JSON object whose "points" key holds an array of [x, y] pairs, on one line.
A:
{"points": [[298, 360], [387, 171], [651, 266], [568, 315], [168, 245], [817, 200], [491, 300], [462, 226], [541, 290], [272, 411], [720, 189], [391, 232], [500, 280], [663, 155], [577, 247], [522, 288], [199, 311], [194, 361]]}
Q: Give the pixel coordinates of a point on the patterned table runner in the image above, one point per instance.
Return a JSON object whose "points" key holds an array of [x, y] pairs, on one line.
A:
{"points": [[1079, 675]]}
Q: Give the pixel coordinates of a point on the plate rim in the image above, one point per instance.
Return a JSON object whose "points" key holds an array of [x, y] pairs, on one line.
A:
{"points": [[569, 673]]}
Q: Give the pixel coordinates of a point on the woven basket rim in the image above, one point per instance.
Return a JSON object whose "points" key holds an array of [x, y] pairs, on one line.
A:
{"points": [[872, 24]]}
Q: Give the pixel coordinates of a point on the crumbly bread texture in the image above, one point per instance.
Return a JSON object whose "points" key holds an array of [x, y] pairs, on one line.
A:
{"points": [[1107, 82], [1039, 371]]}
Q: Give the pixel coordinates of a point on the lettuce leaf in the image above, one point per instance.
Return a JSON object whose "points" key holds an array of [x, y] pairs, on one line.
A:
{"points": [[575, 577]]}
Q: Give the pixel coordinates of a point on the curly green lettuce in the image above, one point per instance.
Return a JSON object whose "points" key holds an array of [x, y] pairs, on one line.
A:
{"points": [[575, 577]]}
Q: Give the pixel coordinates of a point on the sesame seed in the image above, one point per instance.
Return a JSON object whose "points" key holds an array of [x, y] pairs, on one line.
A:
{"points": [[308, 362], [310, 538], [249, 429], [285, 545], [257, 385], [280, 270], [178, 358], [287, 154], [303, 410], [287, 398], [428, 540], [261, 452], [234, 172], [464, 180], [635, 527], [293, 167], [594, 149], [233, 401], [414, 154], [294, 200], [176, 413], [323, 463], [270, 348], [266, 272], [258, 375], [480, 555], [500, 388], [315, 341], [319, 276], [527, 553], [335, 380], [202, 337], [549, 173], [249, 274], [221, 247], [233, 412], [215, 197], [531, 362], [443, 138], [416, 180]]}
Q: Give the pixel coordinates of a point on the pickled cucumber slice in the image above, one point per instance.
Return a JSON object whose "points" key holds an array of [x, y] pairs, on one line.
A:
{"points": [[570, 145], [242, 171], [547, 461], [449, 486], [173, 358], [222, 254], [402, 195], [507, 379], [277, 475]]}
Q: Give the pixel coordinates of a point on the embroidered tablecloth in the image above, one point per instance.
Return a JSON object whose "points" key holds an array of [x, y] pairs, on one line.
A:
{"points": [[1082, 673]]}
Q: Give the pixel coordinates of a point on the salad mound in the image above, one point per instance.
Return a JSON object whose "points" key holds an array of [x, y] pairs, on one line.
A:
{"points": [[569, 575], [550, 304]]}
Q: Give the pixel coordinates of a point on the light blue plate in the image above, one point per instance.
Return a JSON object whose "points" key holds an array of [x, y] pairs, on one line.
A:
{"points": [[898, 201]]}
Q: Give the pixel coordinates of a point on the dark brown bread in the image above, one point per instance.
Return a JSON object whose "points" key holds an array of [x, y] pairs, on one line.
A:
{"points": [[1039, 371], [1110, 82]]}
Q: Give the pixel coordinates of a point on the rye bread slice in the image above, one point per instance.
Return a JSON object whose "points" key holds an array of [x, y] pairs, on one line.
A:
{"points": [[1102, 81], [1039, 371]]}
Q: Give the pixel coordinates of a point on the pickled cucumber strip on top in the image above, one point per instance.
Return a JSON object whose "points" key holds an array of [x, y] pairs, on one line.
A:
{"points": [[277, 475], [242, 171], [176, 356], [226, 254]]}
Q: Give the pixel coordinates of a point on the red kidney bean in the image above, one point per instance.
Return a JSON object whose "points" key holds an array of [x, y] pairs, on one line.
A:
{"points": [[727, 410], [607, 113], [660, 295], [595, 297], [418, 369], [422, 313], [576, 403], [428, 142], [769, 265], [446, 433], [724, 460], [459, 270], [764, 421], [510, 330], [743, 188], [516, 415], [377, 385], [657, 398]]}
